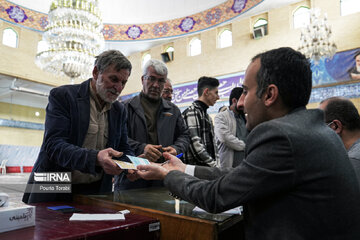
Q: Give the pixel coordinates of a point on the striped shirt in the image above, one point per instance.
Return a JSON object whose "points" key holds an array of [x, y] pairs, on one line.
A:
{"points": [[202, 150]]}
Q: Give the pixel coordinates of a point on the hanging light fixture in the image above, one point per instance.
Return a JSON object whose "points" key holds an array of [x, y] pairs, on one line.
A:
{"points": [[315, 40], [73, 38]]}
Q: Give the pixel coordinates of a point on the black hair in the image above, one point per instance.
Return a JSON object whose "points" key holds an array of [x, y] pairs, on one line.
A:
{"points": [[235, 93], [356, 54], [206, 82], [290, 71], [343, 110]]}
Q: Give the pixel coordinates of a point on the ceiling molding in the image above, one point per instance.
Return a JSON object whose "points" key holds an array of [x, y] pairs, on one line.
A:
{"points": [[201, 21]]}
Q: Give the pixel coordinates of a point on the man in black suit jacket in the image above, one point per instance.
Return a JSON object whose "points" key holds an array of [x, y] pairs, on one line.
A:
{"points": [[296, 181], [85, 128]]}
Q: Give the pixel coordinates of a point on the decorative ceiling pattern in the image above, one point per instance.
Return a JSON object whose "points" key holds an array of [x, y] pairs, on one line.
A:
{"points": [[118, 32]]}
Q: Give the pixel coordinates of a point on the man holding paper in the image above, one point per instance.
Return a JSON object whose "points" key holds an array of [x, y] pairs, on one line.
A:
{"points": [[85, 128], [155, 125]]}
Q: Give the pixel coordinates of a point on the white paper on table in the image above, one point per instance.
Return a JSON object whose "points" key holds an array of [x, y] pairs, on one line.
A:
{"points": [[96, 217], [237, 210]]}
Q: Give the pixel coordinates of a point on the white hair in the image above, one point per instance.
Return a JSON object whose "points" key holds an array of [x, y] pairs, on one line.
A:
{"points": [[159, 67]]}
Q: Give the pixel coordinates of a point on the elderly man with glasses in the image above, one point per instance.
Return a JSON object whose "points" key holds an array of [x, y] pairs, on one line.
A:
{"points": [[167, 91], [154, 124]]}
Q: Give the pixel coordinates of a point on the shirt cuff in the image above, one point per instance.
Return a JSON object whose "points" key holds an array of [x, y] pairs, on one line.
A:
{"points": [[190, 169]]}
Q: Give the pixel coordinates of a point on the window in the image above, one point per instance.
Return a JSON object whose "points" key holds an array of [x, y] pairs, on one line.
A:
{"points": [[10, 38], [146, 57], [349, 6], [170, 49], [301, 17], [225, 38], [260, 28], [168, 55], [195, 46]]}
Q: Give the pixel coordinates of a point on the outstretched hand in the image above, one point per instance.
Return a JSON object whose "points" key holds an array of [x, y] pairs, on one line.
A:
{"points": [[173, 163], [152, 171], [104, 159], [159, 171]]}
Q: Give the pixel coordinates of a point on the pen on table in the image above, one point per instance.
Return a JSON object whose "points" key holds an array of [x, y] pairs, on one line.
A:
{"points": [[178, 156]]}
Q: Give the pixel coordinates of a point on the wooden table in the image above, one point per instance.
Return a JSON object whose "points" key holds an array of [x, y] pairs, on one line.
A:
{"points": [[51, 224], [176, 224]]}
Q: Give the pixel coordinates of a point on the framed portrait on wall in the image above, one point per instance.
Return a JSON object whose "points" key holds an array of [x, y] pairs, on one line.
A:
{"points": [[343, 67]]}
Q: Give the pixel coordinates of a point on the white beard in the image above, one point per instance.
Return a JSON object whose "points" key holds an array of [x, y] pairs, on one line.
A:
{"points": [[102, 92]]}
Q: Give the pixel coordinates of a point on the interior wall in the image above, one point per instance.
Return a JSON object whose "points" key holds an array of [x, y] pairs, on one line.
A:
{"points": [[20, 62], [214, 61], [21, 113], [21, 136]]}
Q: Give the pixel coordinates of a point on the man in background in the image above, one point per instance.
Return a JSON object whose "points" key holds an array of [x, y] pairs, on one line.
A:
{"points": [[202, 150], [342, 116], [154, 124], [167, 91], [296, 181], [85, 128], [230, 132]]}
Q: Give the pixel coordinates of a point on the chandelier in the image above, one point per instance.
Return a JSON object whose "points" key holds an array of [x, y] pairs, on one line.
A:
{"points": [[72, 38], [315, 40]]}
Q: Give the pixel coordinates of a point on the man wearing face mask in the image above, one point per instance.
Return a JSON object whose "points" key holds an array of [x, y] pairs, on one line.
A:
{"points": [[85, 128], [154, 124]]}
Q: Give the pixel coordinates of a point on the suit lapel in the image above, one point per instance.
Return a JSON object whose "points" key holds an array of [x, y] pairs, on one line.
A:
{"points": [[83, 105], [112, 121]]}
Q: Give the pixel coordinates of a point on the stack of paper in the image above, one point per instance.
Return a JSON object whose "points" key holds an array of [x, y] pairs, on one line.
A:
{"points": [[96, 217]]}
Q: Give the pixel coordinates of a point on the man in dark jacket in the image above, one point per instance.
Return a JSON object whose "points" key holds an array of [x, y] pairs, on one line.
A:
{"points": [[85, 127], [155, 125], [296, 181]]}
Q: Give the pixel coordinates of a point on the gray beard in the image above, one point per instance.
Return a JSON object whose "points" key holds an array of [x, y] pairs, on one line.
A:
{"points": [[102, 92]]}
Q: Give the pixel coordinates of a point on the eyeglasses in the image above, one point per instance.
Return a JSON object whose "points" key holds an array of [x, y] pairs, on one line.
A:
{"points": [[153, 79], [168, 91]]}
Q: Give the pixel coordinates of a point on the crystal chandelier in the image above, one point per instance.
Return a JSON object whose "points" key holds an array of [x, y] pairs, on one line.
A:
{"points": [[73, 38], [315, 40]]}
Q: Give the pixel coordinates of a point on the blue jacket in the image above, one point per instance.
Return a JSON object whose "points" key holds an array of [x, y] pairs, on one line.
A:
{"points": [[66, 125]]}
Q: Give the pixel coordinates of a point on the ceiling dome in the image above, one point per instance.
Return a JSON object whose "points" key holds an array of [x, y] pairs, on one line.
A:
{"points": [[136, 11], [136, 25]]}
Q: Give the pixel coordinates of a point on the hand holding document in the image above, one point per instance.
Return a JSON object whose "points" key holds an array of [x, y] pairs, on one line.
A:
{"points": [[157, 171], [135, 161]]}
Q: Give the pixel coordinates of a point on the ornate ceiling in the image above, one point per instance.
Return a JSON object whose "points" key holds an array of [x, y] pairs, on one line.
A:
{"points": [[137, 25]]}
